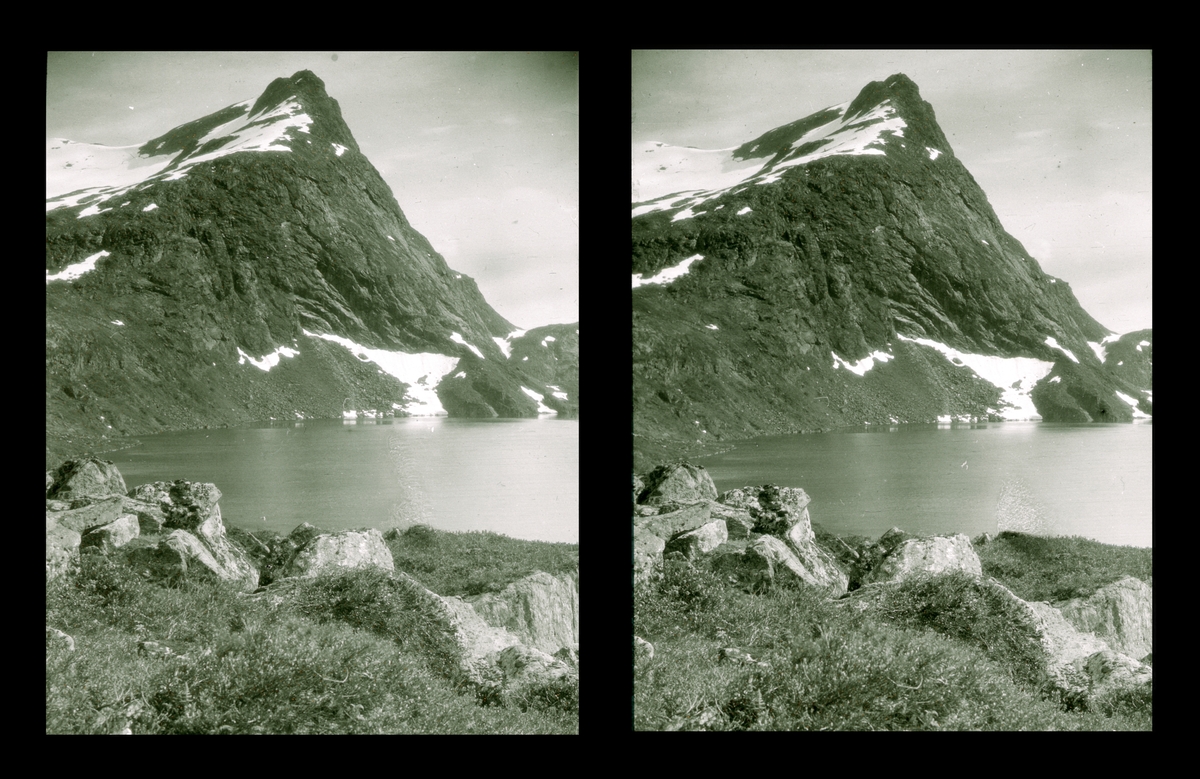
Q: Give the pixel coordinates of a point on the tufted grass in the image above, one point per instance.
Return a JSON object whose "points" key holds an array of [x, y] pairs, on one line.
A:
{"points": [[1038, 568], [475, 562], [936, 654], [345, 654]]}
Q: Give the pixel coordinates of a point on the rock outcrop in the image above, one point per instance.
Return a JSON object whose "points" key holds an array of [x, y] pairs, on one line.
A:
{"points": [[88, 478], [330, 552], [1120, 613], [763, 537], [926, 556], [676, 482], [542, 610], [526, 641]]}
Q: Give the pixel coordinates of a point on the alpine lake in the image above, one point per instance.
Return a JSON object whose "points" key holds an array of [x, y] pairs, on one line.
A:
{"points": [[1051, 479], [516, 477]]}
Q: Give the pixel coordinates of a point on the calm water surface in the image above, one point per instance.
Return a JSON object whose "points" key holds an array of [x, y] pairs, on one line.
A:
{"points": [[519, 477], [1048, 479]]}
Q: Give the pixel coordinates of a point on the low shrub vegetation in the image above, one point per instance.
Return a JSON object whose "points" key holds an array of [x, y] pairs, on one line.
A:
{"points": [[941, 653], [344, 654]]}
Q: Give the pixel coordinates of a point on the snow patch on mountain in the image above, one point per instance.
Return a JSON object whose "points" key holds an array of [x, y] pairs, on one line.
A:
{"points": [[1015, 376], [863, 365], [542, 407], [421, 372], [669, 177], [1137, 412], [667, 275], [79, 172], [72, 272], [459, 339], [1052, 343], [268, 361]]}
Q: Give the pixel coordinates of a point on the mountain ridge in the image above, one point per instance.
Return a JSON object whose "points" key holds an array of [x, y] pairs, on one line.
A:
{"points": [[851, 235], [258, 230]]}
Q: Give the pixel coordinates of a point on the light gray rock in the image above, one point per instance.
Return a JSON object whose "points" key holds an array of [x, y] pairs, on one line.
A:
{"points": [[926, 556], [767, 560], [1121, 613], [738, 522], [151, 517], [183, 554], [101, 512], [333, 552], [677, 483], [56, 635], [1112, 672], [673, 523], [647, 555], [702, 540], [525, 667], [115, 534], [642, 649], [86, 478], [62, 551], [541, 610]]}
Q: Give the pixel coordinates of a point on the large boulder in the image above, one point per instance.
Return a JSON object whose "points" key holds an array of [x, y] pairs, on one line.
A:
{"points": [[775, 510], [526, 668], [647, 555], [675, 522], [112, 536], [101, 512], [702, 540], [542, 610], [925, 556], [1121, 613], [181, 554], [676, 483], [62, 551], [1113, 672], [332, 552], [87, 478], [738, 522], [150, 516], [767, 560]]}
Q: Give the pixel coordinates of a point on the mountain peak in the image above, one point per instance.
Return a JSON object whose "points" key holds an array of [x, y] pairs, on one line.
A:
{"points": [[904, 97]]}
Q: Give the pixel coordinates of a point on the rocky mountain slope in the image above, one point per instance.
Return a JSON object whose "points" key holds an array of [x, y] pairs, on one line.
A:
{"points": [[846, 269], [253, 264]]}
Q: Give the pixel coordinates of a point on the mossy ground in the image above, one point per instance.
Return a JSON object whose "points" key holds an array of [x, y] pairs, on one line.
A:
{"points": [[936, 654], [344, 654]]}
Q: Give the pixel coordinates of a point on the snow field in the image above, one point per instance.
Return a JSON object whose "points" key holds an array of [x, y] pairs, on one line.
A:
{"points": [[72, 272], [1053, 343], [460, 340], [1015, 376], [421, 372], [670, 177], [76, 172], [542, 407], [667, 275], [268, 361]]}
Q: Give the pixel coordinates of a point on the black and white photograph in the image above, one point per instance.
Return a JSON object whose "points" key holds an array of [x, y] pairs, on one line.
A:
{"points": [[312, 392], [892, 397]]}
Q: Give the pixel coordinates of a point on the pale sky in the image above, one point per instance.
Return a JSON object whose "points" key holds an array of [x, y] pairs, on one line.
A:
{"points": [[1059, 141], [481, 149]]}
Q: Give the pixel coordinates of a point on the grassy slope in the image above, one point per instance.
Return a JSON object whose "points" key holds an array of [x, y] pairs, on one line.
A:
{"points": [[938, 655], [344, 655]]}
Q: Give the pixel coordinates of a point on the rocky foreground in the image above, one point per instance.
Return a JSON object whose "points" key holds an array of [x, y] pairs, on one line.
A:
{"points": [[762, 536], [172, 531]]}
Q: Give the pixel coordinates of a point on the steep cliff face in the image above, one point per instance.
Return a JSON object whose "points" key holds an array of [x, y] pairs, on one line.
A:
{"points": [[846, 268], [253, 264]]}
